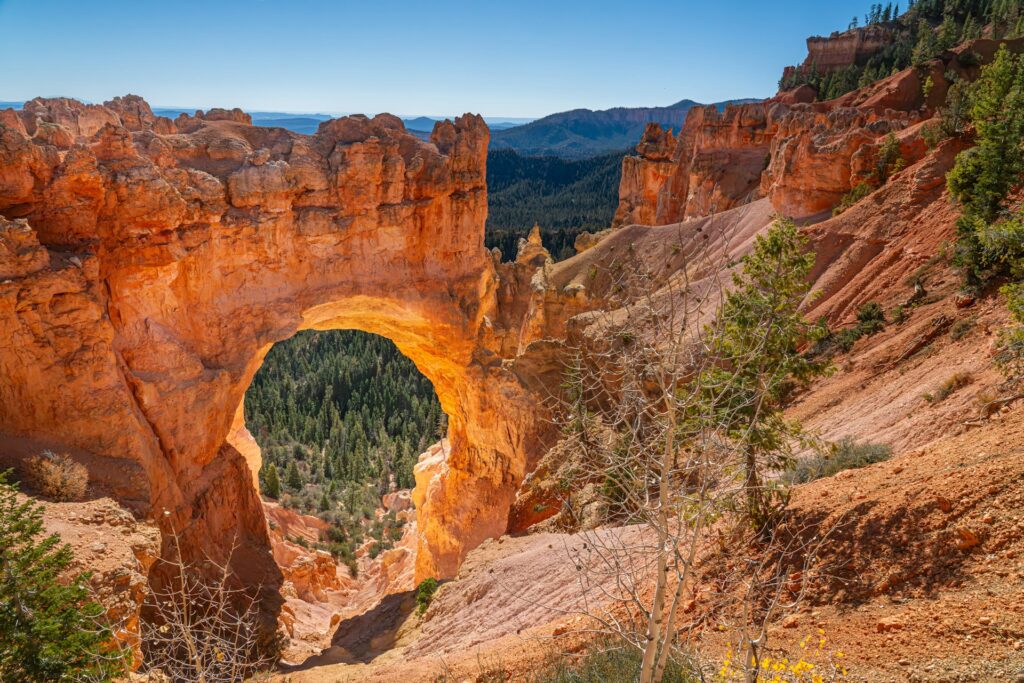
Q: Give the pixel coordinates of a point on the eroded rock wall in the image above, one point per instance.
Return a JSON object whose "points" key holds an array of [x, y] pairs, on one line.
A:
{"points": [[843, 49], [149, 265], [803, 157]]}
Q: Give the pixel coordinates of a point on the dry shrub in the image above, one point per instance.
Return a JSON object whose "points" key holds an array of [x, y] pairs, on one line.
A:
{"points": [[202, 625], [833, 458], [957, 381], [57, 476]]}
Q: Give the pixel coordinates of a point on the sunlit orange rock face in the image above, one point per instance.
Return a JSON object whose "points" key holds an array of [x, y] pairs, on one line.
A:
{"points": [[841, 50], [148, 265], [804, 157]]}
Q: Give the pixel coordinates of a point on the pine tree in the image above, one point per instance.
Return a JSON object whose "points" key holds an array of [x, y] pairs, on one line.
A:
{"points": [[757, 338], [927, 44], [49, 630], [990, 244], [293, 479], [948, 33], [272, 483], [971, 30]]}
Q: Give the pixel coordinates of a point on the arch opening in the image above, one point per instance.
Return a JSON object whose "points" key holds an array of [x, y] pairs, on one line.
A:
{"points": [[340, 418]]}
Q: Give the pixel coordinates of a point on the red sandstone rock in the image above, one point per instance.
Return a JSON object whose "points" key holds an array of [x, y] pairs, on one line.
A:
{"points": [[20, 251], [803, 157], [177, 260], [844, 49], [117, 551]]}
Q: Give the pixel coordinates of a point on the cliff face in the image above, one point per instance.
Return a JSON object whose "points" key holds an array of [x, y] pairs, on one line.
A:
{"points": [[148, 265], [801, 156], [840, 50]]}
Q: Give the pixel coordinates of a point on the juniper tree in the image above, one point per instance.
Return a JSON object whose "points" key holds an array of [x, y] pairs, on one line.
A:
{"points": [[49, 629]]}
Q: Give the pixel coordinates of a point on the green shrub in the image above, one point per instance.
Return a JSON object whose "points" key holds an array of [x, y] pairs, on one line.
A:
{"points": [[49, 629], [845, 339], [953, 116], [604, 666], [1012, 354], [425, 594], [933, 135], [857, 193], [847, 454], [970, 58], [890, 159], [871, 318]]}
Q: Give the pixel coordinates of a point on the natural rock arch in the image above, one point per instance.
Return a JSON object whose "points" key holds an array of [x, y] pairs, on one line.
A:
{"points": [[160, 260]]}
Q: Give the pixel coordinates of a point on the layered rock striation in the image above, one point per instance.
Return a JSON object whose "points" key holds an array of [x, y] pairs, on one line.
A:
{"points": [[844, 49], [802, 157], [148, 265]]}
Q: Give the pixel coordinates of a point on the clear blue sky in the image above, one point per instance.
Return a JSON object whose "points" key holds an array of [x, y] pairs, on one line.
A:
{"points": [[508, 58]]}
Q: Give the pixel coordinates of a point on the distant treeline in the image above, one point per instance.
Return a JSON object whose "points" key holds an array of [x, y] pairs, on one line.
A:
{"points": [[565, 197]]}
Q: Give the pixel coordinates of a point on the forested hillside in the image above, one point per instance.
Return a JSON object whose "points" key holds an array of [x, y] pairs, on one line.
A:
{"points": [[564, 197], [924, 31], [339, 410]]}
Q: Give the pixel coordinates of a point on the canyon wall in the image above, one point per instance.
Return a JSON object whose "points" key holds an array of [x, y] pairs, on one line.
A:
{"points": [[148, 265], [843, 49], [801, 156]]}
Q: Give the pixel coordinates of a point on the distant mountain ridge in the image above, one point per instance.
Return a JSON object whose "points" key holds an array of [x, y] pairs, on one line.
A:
{"points": [[575, 134], [582, 133]]}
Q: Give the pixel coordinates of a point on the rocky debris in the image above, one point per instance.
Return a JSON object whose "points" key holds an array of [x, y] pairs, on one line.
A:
{"points": [[286, 524], [586, 240], [890, 624], [117, 550], [308, 573], [398, 501], [20, 251]]}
